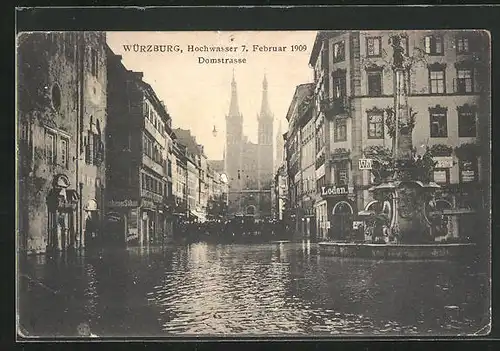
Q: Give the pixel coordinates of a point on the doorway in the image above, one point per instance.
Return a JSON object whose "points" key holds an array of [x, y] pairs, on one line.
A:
{"points": [[342, 220]]}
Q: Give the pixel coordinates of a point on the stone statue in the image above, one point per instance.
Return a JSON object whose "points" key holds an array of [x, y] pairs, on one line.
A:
{"points": [[398, 56]]}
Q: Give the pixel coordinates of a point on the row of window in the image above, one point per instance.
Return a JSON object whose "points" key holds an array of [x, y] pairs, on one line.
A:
{"points": [[180, 188], [154, 185], [152, 149], [56, 149], [438, 124], [432, 44], [468, 172], [462, 84], [153, 117]]}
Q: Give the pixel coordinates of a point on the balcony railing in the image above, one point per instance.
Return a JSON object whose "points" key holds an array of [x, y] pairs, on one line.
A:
{"points": [[334, 106]]}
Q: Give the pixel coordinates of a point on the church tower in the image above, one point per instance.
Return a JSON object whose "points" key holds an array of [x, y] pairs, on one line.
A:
{"points": [[266, 150], [234, 137]]}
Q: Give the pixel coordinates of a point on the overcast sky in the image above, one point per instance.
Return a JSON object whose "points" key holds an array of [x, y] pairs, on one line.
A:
{"points": [[197, 95]]}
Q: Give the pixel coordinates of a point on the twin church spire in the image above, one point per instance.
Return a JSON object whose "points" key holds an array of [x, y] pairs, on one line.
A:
{"points": [[234, 109]]}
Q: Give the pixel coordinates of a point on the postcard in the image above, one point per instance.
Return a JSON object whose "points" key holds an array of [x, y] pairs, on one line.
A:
{"points": [[253, 184]]}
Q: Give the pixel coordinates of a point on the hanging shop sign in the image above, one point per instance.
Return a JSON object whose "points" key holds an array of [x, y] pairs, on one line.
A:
{"points": [[365, 163], [148, 203], [333, 190], [113, 217], [443, 162], [123, 203]]}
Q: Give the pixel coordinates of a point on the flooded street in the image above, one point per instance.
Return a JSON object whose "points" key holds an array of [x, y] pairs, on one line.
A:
{"points": [[238, 290]]}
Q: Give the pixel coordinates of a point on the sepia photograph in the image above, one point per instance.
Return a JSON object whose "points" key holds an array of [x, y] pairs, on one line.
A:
{"points": [[253, 184]]}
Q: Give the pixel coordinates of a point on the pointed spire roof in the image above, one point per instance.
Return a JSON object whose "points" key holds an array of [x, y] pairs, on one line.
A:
{"points": [[234, 109], [265, 110]]}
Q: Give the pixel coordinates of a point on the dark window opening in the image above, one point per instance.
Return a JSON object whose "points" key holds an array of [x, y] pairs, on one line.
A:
{"points": [[375, 83], [466, 124], [439, 128]]}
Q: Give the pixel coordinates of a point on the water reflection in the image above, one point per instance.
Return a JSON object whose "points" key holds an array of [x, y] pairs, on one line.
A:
{"points": [[269, 289]]}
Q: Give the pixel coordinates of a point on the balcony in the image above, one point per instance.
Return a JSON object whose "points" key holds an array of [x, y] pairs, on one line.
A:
{"points": [[335, 106]]}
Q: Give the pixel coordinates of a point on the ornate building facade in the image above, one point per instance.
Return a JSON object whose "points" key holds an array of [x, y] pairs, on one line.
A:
{"points": [[448, 93]]}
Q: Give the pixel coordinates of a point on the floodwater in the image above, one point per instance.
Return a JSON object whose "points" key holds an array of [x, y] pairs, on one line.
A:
{"points": [[265, 290]]}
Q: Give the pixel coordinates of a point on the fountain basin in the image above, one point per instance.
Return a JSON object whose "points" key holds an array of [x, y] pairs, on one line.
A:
{"points": [[395, 251]]}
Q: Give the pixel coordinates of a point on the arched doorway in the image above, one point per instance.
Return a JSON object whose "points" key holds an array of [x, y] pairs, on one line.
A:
{"points": [[342, 220], [61, 205], [114, 229], [380, 207]]}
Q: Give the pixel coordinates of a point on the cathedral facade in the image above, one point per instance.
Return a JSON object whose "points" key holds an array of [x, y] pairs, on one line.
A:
{"points": [[249, 166]]}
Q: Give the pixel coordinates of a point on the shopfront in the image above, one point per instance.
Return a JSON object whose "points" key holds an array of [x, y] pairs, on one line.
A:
{"points": [[308, 219], [322, 223], [149, 227], [341, 211], [121, 223]]}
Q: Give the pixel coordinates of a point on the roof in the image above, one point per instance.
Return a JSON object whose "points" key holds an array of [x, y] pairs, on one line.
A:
{"points": [[320, 36], [216, 165], [300, 92], [185, 137]]}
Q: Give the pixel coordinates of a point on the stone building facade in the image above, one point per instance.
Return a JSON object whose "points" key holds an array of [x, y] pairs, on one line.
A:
{"points": [[140, 204], [61, 81], [300, 160]]}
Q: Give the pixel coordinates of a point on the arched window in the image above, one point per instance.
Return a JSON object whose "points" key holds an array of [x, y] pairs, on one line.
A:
{"points": [[94, 146]]}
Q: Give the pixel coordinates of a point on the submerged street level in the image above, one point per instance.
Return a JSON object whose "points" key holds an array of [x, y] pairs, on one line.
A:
{"points": [[248, 289]]}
